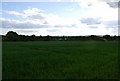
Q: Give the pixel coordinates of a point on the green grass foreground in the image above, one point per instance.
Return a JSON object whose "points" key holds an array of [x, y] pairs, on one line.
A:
{"points": [[60, 60]]}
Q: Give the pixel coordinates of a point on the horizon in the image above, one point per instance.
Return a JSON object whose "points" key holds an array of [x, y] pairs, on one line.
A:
{"points": [[77, 18], [59, 35]]}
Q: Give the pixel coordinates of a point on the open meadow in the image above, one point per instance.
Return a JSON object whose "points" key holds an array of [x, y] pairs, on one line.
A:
{"points": [[60, 60]]}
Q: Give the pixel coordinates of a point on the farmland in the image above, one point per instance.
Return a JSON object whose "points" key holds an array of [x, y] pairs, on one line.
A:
{"points": [[60, 60]]}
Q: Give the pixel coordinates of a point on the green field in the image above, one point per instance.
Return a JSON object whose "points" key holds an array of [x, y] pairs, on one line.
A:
{"points": [[60, 60]]}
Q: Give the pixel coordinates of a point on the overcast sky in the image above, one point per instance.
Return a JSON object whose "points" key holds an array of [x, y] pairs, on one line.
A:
{"points": [[78, 17]]}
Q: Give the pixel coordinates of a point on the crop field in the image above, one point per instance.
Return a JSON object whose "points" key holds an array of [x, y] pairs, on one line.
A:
{"points": [[60, 60]]}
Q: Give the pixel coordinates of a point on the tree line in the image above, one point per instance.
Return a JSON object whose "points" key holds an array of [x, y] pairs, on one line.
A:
{"points": [[13, 36]]}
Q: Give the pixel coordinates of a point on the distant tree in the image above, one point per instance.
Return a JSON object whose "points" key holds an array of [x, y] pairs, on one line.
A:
{"points": [[12, 36], [108, 37], [118, 38], [48, 38], [93, 37], [32, 38], [115, 37]]}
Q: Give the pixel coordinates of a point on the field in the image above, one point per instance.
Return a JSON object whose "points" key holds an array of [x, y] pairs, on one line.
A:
{"points": [[60, 60]]}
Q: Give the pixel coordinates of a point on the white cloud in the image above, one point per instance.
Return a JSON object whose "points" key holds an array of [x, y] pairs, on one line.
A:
{"points": [[32, 11], [111, 24], [99, 15], [30, 27], [35, 14], [99, 12], [15, 13], [90, 21], [29, 13], [35, 23], [114, 4], [99, 8], [103, 10], [86, 3], [10, 23]]}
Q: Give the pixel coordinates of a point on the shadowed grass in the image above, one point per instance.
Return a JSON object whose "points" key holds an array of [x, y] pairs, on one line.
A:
{"points": [[60, 60]]}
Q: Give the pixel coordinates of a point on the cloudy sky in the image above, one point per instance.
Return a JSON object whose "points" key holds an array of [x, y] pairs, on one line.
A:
{"points": [[58, 18]]}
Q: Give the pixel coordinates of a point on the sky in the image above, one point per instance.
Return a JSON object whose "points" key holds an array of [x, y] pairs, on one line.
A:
{"points": [[60, 18]]}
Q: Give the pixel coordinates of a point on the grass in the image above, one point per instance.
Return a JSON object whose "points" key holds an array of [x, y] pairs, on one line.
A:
{"points": [[60, 60]]}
